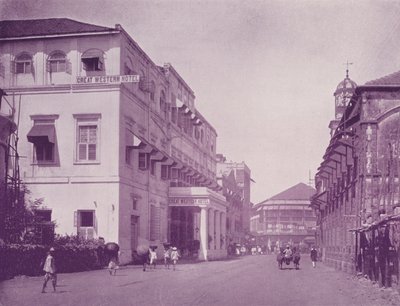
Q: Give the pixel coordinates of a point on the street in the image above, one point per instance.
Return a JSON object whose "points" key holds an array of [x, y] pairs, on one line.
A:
{"points": [[249, 280]]}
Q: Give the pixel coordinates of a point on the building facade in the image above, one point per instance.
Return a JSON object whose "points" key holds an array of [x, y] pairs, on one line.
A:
{"points": [[233, 192], [113, 143], [242, 174], [358, 184], [286, 218]]}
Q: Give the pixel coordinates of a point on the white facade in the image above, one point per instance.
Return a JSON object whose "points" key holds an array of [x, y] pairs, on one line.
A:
{"points": [[105, 155]]}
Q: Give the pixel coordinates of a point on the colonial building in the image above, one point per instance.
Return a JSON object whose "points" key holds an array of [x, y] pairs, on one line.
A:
{"points": [[358, 183], [233, 192], [242, 174], [286, 218], [112, 142]]}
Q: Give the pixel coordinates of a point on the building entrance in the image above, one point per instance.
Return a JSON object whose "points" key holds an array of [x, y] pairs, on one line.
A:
{"points": [[184, 230]]}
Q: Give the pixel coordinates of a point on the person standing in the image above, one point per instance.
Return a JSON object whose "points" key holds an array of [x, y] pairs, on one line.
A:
{"points": [[167, 256], [50, 269], [314, 256], [174, 257], [153, 257], [112, 265]]}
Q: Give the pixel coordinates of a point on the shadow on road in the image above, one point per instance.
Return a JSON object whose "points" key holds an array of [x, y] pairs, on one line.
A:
{"points": [[131, 283]]}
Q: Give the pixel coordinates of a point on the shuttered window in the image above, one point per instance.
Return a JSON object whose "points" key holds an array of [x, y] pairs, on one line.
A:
{"points": [[154, 222], [87, 138]]}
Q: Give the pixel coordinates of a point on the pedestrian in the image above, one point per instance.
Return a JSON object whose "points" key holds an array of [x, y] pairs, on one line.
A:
{"points": [[112, 265], [314, 256], [153, 257], [50, 269], [174, 257], [167, 256]]}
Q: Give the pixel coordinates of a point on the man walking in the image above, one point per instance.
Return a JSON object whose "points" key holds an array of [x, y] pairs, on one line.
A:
{"points": [[314, 256]]}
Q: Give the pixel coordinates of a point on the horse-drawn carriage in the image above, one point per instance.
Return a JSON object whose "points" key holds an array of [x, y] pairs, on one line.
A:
{"points": [[287, 256]]}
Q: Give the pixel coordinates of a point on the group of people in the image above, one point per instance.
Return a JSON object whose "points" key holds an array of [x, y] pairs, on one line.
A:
{"points": [[171, 256], [294, 253]]}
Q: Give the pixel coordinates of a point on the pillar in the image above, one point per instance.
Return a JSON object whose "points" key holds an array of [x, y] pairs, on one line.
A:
{"points": [[223, 230], [203, 230], [211, 229], [217, 225]]}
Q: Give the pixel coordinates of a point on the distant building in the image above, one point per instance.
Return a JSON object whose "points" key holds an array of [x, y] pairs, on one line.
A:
{"points": [[242, 174], [286, 218], [233, 192], [113, 143]]}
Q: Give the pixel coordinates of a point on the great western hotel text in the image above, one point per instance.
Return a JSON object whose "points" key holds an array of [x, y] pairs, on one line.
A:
{"points": [[108, 79]]}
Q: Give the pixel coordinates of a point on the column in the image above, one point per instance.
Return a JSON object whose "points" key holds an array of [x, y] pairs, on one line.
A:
{"points": [[223, 230], [217, 223], [211, 229], [203, 229]]}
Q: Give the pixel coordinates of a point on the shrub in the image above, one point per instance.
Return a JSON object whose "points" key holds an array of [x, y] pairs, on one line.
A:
{"points": [[72, 254]]}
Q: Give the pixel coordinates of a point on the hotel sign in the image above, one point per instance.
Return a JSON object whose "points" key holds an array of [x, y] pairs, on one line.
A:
{"points": [[107, 79], [188, 201]]}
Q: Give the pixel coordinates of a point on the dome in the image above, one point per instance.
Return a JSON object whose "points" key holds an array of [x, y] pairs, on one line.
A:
{"points": [[347, 85]]}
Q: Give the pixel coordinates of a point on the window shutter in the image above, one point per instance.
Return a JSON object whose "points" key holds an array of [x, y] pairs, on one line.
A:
{"points": [[75, 219], [89, 233], [94, 222], [48, 66], [82, 151], [100, 64], [68, 66]]}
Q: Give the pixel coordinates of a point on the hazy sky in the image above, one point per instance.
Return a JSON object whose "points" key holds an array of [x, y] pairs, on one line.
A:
{"points": [[263, 72]]}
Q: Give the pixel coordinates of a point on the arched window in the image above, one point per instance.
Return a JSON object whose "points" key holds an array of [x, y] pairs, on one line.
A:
{"points": [[23, 63], [57, 62], [93, 60], [202, 136]]}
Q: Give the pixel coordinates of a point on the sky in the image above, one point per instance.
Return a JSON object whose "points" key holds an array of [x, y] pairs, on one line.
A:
{"points": [[263, 72]]}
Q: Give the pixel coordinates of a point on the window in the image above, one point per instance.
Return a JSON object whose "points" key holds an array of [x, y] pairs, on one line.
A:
{"points": [[163, 105], [93, 60], [43, 215], [175, 173], [143, 161], [86, 218], [43, 137], [57, 62], [165, 172], [87, 140], [23, 63], [85, 221], [152, 167], [134, 204]]}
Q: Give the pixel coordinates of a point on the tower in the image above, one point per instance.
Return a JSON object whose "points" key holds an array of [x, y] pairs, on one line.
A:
{"points": [[342, 94]]}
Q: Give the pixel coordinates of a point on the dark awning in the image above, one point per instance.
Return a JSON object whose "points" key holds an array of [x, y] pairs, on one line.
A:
{"points": [[42, 133]]}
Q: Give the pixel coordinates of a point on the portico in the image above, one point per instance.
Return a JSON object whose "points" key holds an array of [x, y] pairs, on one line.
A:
{"points": [[197, 222]]}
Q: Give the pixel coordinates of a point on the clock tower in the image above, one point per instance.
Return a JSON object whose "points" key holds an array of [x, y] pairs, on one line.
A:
{"points": [[342, 95]]}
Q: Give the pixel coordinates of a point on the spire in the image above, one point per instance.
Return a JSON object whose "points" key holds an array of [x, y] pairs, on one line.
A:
{"points": [[347, 68]]}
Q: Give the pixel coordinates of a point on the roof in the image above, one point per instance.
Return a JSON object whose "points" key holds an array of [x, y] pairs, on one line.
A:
{"points": [[300, 191], [49, 26], [391, 79]]}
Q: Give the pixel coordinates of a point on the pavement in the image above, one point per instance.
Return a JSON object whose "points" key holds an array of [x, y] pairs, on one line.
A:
{"points": [[248, 280]]}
